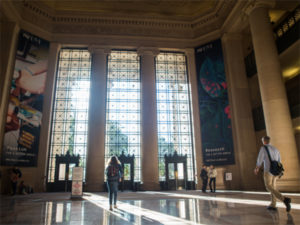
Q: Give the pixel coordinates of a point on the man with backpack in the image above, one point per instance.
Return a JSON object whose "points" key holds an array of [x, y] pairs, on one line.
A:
{"points": [[267, 154], [114, 174]]}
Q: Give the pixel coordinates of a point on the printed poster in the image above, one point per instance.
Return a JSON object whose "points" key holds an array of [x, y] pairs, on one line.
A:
{"points": [[216, 131], [24, 116]]}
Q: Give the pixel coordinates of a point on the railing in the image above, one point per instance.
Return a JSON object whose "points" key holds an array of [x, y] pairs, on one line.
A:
{"points": [[286, 25], [286, 33]]}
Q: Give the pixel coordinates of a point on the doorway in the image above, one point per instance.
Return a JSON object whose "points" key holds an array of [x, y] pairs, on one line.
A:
{"points": [[127, 162], [176, 171], [64, 165]]}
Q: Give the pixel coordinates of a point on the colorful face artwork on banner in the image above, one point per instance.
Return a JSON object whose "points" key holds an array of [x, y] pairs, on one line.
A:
{"points": [[24, 116], [216, 132]]}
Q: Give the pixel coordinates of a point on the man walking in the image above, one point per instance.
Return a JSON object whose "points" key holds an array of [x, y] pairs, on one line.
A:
{"points": [[269, 179]]}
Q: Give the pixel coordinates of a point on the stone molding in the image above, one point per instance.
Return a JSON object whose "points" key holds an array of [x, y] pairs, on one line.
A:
{"points": [[189, 51], [254, 4], [98, 49], [232, 36], [58, 23], [148, 51]]}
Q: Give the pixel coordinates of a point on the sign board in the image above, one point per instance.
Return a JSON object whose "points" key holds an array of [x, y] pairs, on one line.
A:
{"points": [[77, 177], [77, 173], [228, 176], [76, 188]]}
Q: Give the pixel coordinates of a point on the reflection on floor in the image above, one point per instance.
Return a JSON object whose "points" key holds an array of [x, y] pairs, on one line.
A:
{"points": [[177, 207]]}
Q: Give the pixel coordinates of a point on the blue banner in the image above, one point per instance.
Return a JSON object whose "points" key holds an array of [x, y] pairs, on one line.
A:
{"points": [[216, 131]]}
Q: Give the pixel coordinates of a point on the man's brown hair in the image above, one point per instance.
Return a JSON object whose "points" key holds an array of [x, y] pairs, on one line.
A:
{"points": [[266, 139]]}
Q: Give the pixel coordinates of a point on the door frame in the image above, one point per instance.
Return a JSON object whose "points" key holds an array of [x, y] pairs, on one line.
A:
{"points": [[175, 158], [63, 185]]}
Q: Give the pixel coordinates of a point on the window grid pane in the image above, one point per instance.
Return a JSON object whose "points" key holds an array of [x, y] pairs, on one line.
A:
{"points": [[70, 113], [173, 110], [123, 124]]}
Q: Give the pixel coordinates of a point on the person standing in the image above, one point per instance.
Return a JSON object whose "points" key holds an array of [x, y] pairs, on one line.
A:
{"points": [[212, 174], [269, 179], [114, 174], [204, 178]]}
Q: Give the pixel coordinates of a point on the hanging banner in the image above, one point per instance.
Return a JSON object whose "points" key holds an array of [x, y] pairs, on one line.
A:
{"points": [[216, 132], [24, 116]]}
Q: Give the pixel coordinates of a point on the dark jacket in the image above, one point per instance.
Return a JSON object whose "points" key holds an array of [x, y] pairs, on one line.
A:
{"points": [[203, 174]]}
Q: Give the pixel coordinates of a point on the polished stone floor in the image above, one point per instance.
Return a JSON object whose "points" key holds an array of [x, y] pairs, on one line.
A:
{"points": [[177, 207]]}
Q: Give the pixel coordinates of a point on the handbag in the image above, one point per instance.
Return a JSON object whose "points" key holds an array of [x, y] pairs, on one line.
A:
{"points": [[276, 168]]}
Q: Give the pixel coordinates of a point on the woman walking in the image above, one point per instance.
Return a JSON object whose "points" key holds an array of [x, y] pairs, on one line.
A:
{"points": [[114, 174]]}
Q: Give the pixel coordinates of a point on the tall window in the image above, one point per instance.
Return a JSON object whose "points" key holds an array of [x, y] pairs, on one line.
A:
{"points": [[123, 123], [173, 108], [70, 113]]}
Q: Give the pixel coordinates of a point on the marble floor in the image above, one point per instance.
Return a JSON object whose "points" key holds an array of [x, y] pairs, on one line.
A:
{"points": [[176, 207]]}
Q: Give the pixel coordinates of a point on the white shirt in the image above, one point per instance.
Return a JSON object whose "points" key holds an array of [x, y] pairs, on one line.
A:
{"points": [[263, 157], [212, 173]]}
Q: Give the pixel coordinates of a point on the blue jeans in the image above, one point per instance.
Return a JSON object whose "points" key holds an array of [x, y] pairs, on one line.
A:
{"points": [[112, 187]]}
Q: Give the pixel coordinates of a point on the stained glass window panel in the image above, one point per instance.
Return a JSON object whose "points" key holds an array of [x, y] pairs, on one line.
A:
{"points": [[173, 109], [123, 108], [70, 113]]}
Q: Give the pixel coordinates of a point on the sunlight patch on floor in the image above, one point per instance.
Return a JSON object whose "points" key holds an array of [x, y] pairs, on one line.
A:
{"points": [[147, 214]]}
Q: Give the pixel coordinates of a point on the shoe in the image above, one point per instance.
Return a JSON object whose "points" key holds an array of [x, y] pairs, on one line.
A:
{"points": [[272, 208], [115, 206], [287, 202], [110, 207]]}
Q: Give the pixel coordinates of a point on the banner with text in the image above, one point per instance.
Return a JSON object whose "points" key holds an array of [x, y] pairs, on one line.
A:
{"points": [[216, 132], [24, 115]]}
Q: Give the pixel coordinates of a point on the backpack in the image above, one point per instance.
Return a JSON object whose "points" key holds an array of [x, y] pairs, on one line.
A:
{"points": [[112, 171], [276, 168]]}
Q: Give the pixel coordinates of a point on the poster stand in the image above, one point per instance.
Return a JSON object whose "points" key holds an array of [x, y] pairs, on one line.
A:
{"points": [[77, 181]]}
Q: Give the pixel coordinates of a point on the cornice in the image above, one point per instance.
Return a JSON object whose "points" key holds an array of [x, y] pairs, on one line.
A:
{"points": [[9, 11], [57, 23], [232, 36], [254, 4], [236, 20], [151, 51], [98, 49], [189, 51]]}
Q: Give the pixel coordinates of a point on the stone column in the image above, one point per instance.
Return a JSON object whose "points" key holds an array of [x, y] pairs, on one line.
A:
{"points": [[41, 172], [273, 93], [193, 83], [96, 138], [8, 41], [149, 154], [242, 121]]}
